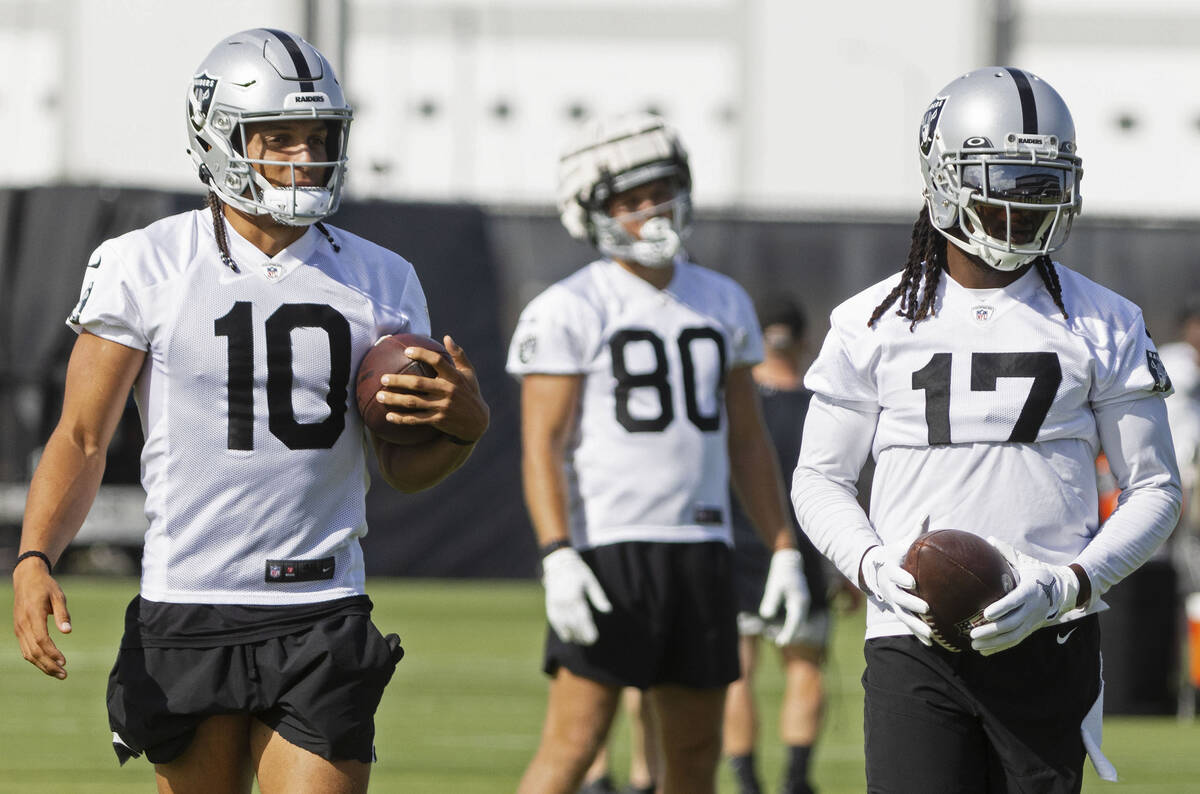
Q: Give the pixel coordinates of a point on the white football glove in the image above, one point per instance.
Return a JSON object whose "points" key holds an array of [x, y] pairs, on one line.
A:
{"points": [[1044, 593], [570, 587], [886, 581], [786, 587]]}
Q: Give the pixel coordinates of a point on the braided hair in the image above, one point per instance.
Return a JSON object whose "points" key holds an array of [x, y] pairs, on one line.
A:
{"points": [[926, 261], [219, 231], [222, 235]]}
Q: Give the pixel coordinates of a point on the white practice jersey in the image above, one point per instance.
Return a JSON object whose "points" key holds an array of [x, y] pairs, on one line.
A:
{"points": [[648, 459], [986, 413], [254, 459]]}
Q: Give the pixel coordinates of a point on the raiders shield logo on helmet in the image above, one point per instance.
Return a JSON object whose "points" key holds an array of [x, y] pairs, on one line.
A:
{"points": [[200, 99], [929, 123]]}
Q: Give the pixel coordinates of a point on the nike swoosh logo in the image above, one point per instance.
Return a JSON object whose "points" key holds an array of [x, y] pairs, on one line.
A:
{"points": [[1062, 638]]}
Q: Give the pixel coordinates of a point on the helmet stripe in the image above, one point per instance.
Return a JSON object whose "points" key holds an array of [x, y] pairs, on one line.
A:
{"points": [[298, 60], [1029, 119]]}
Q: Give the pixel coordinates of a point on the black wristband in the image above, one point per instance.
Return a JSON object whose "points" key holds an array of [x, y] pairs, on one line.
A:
{"points": [[553, 546], [40, 555]]}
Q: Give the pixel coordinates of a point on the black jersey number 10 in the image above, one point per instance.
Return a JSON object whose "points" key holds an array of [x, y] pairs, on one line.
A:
{"points": [[237, 325], [986, 369], [657, 379]]}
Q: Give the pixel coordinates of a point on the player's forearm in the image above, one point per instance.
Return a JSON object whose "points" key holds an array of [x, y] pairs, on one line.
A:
{"points": [[758, 484], [545, 485], [834, 448], [61, 493], [1137, 442]]}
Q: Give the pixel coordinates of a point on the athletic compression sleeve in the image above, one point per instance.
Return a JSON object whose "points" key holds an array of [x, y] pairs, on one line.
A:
{"points": [[834, 446], [1136, 438]]}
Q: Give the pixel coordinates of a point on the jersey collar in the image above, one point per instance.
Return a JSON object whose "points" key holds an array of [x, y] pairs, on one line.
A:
{"points": [[273, 268]]}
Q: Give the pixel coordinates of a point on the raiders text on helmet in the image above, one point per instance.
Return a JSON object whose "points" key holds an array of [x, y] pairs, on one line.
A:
{"points": [[611, 156], [1001, 172], [265, 75]]}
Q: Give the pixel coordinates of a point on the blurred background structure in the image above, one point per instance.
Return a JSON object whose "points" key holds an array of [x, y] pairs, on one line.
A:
{"points": [[801, 119]]}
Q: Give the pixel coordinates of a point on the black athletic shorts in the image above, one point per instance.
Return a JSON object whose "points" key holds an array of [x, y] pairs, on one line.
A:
{"points": [[962, 722], [314, 673], [674, 618]]}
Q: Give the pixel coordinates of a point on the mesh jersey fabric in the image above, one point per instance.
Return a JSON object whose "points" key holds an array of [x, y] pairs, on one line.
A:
{"points": [[253, 449], [648, 459]]}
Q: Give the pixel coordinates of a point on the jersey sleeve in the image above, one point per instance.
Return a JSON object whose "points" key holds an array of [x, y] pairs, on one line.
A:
{"points": [[746, 340], [1131, 368], [552, 335], [108, 301], [843, 370], [408, 312]]}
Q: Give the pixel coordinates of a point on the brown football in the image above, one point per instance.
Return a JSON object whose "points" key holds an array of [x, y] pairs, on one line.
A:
{"points": [[958, 573], [387, 357]]}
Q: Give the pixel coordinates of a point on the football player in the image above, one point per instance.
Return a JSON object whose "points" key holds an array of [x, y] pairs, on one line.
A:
{"points": [[984, 380], [637, 407], [784, 403], [249, 651]]}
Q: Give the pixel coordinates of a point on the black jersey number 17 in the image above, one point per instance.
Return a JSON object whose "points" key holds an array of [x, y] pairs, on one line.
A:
{"points": [[986, 369]]}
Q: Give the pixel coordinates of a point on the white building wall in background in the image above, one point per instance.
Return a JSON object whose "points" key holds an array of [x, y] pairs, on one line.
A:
{"points": [[786, 105], [1130, 72]]}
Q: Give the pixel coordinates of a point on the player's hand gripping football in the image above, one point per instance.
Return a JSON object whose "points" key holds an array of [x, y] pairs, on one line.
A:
{"points": [[886, 581], [37, 596], [786, 587], [1044, 593], [570, 587], [451, 402]]}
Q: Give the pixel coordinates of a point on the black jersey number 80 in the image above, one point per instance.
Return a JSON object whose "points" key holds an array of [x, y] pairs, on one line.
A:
{"points": [[986, 369], [657, 379]]}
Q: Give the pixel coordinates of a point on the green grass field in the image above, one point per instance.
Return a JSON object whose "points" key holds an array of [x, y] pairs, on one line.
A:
{"points": [[464, 711]]}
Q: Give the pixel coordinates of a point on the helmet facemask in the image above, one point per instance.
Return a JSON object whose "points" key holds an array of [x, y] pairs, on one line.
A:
{"points": [[1011, 209], [662, 226], [287, 203]]}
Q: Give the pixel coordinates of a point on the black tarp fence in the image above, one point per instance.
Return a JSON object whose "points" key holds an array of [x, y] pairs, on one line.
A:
{"points": [[479, 266]]}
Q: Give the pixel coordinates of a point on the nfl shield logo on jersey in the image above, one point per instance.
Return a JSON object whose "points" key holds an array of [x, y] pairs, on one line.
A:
{"points": [[200, 100], [982, 313], [274, 571]]}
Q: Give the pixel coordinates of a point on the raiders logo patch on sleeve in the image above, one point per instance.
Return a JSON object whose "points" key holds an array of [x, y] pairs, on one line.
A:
{"points": [[527, 349], [1162, 381]]}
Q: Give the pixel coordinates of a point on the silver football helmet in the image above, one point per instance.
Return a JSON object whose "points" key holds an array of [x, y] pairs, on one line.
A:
{"points": [[999, 161], [265, 75], [617, 154]]}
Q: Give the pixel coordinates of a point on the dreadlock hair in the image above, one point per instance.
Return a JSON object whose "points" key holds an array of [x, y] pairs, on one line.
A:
{"points": [[926, 261], [219, 231]]}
